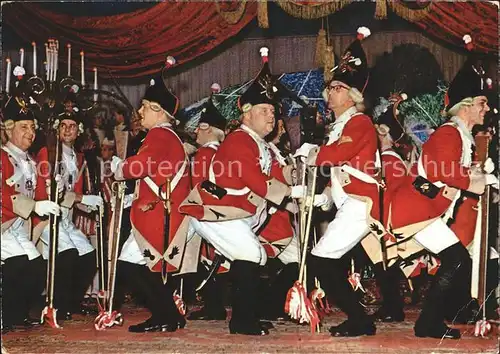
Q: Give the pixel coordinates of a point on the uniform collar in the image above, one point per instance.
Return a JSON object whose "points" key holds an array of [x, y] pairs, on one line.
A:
{"points": [[252, 133], [17, 151], [213, 142], [163, 125], [463, 128], [344, 117]]}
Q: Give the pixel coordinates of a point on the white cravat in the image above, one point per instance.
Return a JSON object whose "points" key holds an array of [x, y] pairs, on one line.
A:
{"points": [[265, 158], [338, 126]]}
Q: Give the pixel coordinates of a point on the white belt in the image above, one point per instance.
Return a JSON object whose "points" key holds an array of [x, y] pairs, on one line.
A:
{"points": [[359, 174], [448, 214], [422, 173], [175, 181], [230, 191]]}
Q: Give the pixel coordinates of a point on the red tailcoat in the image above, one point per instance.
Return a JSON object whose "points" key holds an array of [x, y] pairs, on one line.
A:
{"points": [[14, 203], [160, 157], [356, 147], [236, 166], [411, 211]]}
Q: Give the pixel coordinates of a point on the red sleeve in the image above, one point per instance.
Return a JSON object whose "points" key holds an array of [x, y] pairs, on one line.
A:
{"points": [[277, 172], [161, 153], [357, 132], [43, 174], [7, 191], [441, 156]]}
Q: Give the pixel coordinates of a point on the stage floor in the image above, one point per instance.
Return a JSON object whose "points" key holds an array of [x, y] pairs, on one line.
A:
{"points": [[79, 336]]}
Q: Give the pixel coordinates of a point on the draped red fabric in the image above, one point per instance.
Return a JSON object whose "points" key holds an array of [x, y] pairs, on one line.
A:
{"points": [[133, 44], [450, 21]]}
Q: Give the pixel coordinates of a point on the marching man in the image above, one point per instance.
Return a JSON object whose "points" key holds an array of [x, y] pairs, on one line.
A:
{"points": [[155, 246], [228, 208], [209, 135], [443, 170], [23, 268], [76, 260], [351, 152]]}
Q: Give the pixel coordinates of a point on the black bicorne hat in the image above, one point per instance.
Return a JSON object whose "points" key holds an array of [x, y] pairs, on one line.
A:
{"points": [[470, 81], [211, 115], [159, 93], [17, 108], [352, 68]]}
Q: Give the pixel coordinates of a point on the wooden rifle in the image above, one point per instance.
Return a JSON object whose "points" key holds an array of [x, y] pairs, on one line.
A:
{"points": [[54, 149]]}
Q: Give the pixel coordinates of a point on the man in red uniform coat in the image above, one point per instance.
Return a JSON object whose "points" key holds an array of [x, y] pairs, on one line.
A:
{"points": [[23, 277], [351, 152], [229, 207], [209, 135], [76, 263], [421, 206], [151, 251]]}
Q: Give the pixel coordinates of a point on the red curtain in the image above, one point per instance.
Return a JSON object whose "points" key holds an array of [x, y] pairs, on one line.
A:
{"points": [[133, 44], [450, 21]]}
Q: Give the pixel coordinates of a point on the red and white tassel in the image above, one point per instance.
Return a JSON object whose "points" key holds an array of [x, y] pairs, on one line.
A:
{"points": [[363, 33], [468, 42], [355, 281], [170, 62], [482, 328], [181, 305], [299, 307], [264, 53]]}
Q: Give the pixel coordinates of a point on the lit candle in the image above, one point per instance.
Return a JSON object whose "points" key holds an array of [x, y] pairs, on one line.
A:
{"points": [[21, 52], [95, 83], [34, 57], [56, 60], [82, 57], [47, 61], [69, 59], [7, 77]]}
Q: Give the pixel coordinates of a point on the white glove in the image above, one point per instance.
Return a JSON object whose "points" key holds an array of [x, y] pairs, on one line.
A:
{"points": [[303, 151], [489, 166], [127, 201], [93, 201], [298, 192], [46, 207], [492, 180], [115, 161], [320, 200]]}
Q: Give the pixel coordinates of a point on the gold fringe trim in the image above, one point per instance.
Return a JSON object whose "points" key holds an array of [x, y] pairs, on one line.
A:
{"points": [[329, 63], [409, 14], [319, 57], [262, 16], [381, 10], [232, 17], [309, 12]]}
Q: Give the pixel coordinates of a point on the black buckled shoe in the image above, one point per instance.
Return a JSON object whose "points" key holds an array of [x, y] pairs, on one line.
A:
{"points": [[205, 315], [441, 332], [382, 315], [254, 329], [353, 329], [151, 325], [67, 316], [27, 323]]}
